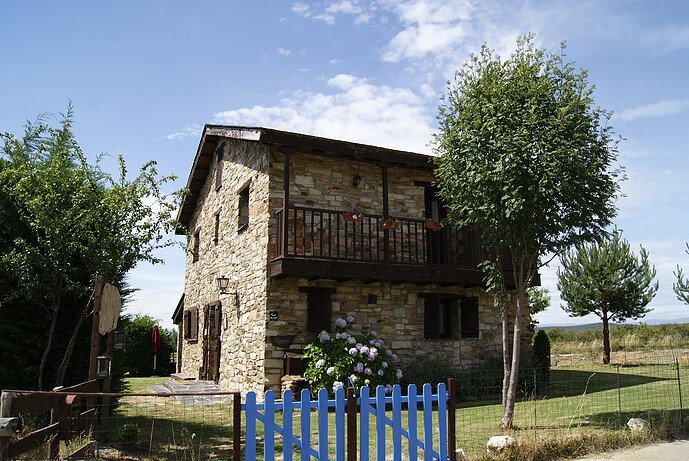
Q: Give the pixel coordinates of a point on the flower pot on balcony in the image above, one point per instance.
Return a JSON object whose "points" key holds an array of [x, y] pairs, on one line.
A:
{"points": [[434, 225], [351, 217], [387, 225]]}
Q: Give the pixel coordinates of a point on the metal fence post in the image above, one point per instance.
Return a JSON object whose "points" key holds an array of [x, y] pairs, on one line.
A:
{"points": [[679, 391], [451, 421], [619, 396]]}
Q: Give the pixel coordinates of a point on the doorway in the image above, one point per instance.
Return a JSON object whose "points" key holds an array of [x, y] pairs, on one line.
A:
{"points": [[210, 369]]}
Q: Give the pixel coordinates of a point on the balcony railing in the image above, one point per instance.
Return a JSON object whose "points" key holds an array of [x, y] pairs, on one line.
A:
{"points": [[325, 234]]}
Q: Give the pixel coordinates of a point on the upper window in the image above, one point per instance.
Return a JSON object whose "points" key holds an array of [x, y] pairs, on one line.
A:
{"points": [[450, 316], [219, 164], [197, 246], [243, 222]]}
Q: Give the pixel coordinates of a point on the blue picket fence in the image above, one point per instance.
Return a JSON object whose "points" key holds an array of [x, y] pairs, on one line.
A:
{"points": [[345, 410]]}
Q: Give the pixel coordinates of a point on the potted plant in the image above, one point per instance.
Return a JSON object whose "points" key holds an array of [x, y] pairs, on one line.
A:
{"points": [[356, 214], [388, 224], [433, 224]]}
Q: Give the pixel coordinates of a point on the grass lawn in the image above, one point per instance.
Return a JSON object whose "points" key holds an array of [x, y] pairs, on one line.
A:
{"points": [[579, 399]]}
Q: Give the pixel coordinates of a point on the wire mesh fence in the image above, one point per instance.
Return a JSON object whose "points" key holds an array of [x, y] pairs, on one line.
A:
{"points": [[576, 396]]}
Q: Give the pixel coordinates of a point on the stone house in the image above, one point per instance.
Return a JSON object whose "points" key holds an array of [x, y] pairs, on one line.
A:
{"points": [[267, 214]]}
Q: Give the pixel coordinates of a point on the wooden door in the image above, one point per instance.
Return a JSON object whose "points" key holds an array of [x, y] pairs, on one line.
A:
{"points": [[210, 369]]}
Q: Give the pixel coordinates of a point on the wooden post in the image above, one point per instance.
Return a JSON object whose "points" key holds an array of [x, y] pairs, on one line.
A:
{"points": [[451, 420], [285, 204], [95, 334], [351, 425], [6, 400], [236, 426], [386, 212]]}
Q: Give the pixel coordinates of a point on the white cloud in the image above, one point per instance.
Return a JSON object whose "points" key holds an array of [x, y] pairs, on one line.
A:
{"points": [[355, 111], [656, 109], [189, 131], [327, 12], [283, 52]]}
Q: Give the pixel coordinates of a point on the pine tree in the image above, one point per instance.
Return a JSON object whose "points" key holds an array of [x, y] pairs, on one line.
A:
{"points": [[605, 278]]}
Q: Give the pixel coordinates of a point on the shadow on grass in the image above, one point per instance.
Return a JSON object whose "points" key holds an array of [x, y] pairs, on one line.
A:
{"points": [[162, 438]]}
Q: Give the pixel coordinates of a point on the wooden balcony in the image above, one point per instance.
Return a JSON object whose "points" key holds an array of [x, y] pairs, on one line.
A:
{"points": [[316, 243]]}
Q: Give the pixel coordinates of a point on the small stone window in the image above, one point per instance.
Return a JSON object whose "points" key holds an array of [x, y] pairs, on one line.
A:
{"points": [[216, 230], [197, 246], [243, 222]]}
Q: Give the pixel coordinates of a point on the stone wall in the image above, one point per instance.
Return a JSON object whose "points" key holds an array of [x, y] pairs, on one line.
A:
{"points": [[238, 255], [397, 317]]}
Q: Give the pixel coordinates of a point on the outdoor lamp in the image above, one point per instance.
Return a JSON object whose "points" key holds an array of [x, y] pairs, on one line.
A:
{"points": [[120, 340], [356, 181], [223, 283], [103, 364]]}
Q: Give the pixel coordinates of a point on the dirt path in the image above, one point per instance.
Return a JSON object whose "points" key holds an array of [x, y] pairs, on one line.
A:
{"points": [[666, 451]]}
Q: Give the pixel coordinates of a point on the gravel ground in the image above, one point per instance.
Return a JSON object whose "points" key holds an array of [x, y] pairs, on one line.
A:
{"points": [[666, 451]]}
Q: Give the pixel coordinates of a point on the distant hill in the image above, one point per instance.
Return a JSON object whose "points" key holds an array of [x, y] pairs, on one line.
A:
{"points": [[599, 325]]}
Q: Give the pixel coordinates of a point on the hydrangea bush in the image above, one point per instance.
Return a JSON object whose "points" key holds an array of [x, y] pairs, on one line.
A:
{"points": [[343, 359]]}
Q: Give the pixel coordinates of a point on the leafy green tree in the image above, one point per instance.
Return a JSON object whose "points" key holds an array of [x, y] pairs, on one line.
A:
{"points": [[72, 220], [539, 300], [526, 157], [606, 279], [682, 286], [137, 359]]}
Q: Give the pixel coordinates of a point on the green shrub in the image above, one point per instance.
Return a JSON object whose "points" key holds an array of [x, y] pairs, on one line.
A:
{"points": [[129, 433], [347, 359]]}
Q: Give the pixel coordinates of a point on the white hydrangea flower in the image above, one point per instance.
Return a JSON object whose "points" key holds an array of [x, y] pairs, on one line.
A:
{"points": [[330, 371], [320, 363]]}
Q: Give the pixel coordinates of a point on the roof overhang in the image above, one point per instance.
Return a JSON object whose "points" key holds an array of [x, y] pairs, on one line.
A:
{"points": [[286, 141]]}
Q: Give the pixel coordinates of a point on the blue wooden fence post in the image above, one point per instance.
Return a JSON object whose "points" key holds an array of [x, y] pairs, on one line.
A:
{"points": [[442, 422], [287, 426], [380, 423], [397, 423], [269, 425], [363, 424], [412, 408], [340, 401], [250, 408], [323, 423], [305, 409], [427, 422]]}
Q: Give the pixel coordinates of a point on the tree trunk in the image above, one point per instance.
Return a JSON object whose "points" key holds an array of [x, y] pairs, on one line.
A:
{"points": [[508, 413], [49, 345], [505, 354], [62, 369], [606, 335]]}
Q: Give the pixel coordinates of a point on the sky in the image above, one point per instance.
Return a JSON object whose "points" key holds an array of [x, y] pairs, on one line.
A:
{"points": [[145, 76]]}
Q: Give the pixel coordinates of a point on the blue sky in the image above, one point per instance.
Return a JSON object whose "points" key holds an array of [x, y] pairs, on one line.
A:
{"points": [[145, 76]]}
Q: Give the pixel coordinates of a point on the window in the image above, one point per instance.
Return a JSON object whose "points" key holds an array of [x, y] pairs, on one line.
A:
{"points": [[243, 209], [197, 246], [191, 324], [216, 231], [450, 316], [219, 164], [319, 308]]}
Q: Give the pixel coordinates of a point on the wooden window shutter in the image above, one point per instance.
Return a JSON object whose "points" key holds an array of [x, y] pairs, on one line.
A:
{"points": [[453, 318], [187, 324], [431, 306], [319, 308], [195, 323], [469, 320]]}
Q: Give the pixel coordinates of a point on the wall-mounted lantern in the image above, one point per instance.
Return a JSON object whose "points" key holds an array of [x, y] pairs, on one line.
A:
{"points": [[103, 366], [356, 181], [120, 340], [223, 284]]}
